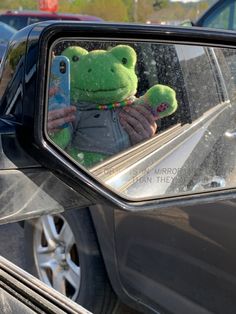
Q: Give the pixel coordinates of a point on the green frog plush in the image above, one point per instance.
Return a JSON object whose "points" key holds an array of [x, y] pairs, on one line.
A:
{"points": [[102, 82]]}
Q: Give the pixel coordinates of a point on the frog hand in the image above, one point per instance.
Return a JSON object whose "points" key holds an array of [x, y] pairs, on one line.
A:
{"points": [[162, 100]]}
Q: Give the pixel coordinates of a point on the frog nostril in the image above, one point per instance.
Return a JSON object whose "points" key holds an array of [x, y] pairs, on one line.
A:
{"points": [[124, 60], [112, 70], [89, 70]]}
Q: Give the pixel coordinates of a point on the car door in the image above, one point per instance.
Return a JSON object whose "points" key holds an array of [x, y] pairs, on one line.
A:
{"points": [[179, 258]]}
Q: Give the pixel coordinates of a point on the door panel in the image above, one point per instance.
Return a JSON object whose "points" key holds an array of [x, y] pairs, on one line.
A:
{"points": [[185, 255]]}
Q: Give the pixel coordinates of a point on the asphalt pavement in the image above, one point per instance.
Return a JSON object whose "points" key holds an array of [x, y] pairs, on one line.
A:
{"points": [[12, 243]]}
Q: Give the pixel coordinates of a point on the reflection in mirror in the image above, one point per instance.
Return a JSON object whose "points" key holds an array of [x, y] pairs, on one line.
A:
{"points": [[146, 119]]}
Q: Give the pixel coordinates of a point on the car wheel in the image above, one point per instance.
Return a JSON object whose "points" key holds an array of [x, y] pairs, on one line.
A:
{"points": [[62, 251]]}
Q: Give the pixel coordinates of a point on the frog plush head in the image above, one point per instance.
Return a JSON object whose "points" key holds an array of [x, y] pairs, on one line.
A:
{"points": [[100, 76], [108, 77]]}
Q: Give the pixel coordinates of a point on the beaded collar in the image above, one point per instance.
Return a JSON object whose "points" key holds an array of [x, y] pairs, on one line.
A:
{"points": [[123, 103]]}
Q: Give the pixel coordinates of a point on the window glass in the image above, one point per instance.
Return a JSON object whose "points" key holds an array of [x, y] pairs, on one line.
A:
{"points": [[167, 111], [226, 62], [6, 32], [234, 16], [36, 19], [17, 22], [219, 19], [197, 66]]}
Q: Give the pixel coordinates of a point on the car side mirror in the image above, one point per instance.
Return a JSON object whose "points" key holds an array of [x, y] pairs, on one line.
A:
{"points": [[181, 80]]}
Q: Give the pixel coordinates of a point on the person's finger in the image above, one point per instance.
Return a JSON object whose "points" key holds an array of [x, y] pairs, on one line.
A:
{"points": [[147, 111], [133, 135], [150, 122], [141, 123], [134, 129], [60, 113], [135, 120], [55, 124]]}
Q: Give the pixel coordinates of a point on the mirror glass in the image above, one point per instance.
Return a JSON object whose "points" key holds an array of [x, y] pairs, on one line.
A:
{"points": [[147, 119]]}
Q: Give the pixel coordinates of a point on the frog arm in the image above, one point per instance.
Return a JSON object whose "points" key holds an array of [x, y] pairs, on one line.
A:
{"points": [[161, 98]]}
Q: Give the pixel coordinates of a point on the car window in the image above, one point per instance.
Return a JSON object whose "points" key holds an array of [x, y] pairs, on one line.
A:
{"points": [[225, 60], [223, 17], [198, 73], [35, 19], [17, 22], [6, 32]]}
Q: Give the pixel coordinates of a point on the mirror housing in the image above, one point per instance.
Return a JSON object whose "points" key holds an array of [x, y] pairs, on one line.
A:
{"points": [[23, 95]]}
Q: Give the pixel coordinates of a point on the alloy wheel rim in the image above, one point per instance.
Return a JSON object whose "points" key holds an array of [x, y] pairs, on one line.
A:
{"points": [[56, 255]]}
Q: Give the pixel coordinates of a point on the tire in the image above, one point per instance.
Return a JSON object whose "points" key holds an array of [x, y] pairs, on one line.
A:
{"points": [[62, 251]]}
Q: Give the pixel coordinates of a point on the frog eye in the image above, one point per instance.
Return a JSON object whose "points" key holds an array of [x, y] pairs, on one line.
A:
{"points": [[125, 54], [124, 60], [75, 58]]}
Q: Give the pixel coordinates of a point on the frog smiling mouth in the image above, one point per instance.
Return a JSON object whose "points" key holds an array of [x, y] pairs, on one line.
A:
{"points": [[102, 90]]}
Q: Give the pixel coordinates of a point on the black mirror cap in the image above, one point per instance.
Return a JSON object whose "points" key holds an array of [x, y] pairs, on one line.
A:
{"points": [[12, 70]]}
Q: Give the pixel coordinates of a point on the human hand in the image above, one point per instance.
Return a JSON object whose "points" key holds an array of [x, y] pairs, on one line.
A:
{"points": [[139, 122], [58, 117]]}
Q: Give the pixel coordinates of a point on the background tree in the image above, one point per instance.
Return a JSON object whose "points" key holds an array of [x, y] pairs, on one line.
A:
{"points": [[160, 4], [16, 4], [72, 6], [140, 10], [155, 11], [107, 9]]}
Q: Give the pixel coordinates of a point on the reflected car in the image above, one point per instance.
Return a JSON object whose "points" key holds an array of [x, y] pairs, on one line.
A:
{"points": [[152, 226], [6, 32], [22, 18], [222, 15]]}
